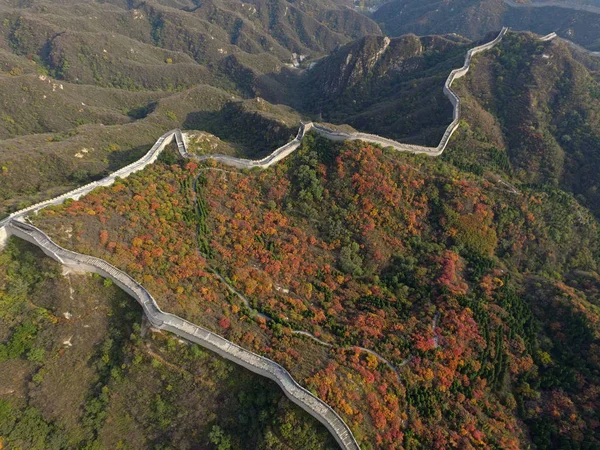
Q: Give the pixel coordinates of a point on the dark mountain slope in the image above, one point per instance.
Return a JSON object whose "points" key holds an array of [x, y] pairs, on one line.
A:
{"points": [[392, 87]]}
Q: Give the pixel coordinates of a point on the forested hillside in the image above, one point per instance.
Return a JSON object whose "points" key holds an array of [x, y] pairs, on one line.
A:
{"points": [[532, 112], [482, 298], [126, 387], [448, 302]]}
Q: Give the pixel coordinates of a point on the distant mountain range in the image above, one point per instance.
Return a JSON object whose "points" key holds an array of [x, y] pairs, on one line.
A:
{"points": [[474, 18]]}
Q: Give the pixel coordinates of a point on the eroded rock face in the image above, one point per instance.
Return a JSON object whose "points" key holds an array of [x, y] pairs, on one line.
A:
{"points": [[372, 58], [366, 61], [353, 63]]}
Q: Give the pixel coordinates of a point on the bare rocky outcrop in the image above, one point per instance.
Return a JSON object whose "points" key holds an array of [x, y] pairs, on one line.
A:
{"points": [[371, 56], [191, 332]]}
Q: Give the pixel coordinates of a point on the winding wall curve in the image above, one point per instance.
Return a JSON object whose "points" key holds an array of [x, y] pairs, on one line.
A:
{"points": [[279, 153], [333, 135], [191, 332]]}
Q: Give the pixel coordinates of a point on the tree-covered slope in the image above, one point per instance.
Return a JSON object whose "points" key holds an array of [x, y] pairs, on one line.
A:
{"points": [[532, 111], [482, 298], [447, 302], [81, 370]]}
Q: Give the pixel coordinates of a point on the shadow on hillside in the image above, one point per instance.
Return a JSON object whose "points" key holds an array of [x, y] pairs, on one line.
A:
{"points": [[200, 120], [404, 102], [254, 134], [120, 158]]}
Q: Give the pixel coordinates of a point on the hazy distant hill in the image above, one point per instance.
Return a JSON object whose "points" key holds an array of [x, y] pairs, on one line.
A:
{"points": [[474, 18], [155, 44]]}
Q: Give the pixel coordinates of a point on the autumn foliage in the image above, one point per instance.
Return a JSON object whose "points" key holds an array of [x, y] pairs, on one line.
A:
{"points": [[434, 271]]}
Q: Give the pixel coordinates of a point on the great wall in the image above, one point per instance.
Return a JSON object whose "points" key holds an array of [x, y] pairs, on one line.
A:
{"points": [[281, 152], [16, 225]]}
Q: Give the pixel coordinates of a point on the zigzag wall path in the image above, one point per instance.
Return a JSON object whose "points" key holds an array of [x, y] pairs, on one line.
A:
{"points": [[15, 225]]}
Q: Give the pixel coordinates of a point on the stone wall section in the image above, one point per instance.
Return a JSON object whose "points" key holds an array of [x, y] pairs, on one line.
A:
{"points": [[124, 172], [187, 330]]}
